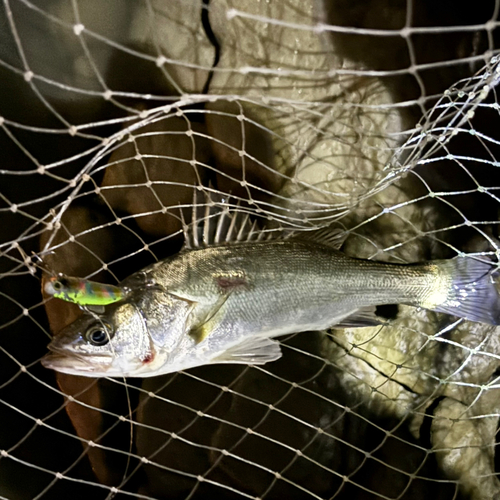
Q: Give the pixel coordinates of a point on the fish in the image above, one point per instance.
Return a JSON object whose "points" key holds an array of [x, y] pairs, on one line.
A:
{"points": [[83, 292], [234, 288]]}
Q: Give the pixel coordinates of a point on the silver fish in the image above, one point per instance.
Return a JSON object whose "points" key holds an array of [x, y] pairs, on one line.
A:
{"points": [[230, 292]]}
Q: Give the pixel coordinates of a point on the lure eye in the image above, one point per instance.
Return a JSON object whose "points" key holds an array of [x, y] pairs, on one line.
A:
{"points": [[57, 285], [98, 335]]}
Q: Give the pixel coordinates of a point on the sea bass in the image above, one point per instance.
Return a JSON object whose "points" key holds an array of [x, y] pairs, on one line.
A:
{"points": [[229, 292]]}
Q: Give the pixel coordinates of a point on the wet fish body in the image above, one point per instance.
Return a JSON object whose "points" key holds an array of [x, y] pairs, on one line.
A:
{"points": [[225, 302], [279, 287]]}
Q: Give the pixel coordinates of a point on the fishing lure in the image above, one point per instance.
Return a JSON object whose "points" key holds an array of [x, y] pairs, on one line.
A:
{"points": [[83, 292], [77, 290]]}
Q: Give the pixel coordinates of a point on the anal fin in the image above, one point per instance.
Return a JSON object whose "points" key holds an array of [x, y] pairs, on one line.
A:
{"points": [[359, 319], [253, 351]]}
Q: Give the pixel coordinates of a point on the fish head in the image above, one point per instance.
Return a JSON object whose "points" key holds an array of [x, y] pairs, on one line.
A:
{"points": [[114, 343], [130, 338]]}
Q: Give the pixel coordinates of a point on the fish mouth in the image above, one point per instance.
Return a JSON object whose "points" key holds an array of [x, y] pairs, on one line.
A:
{"points": [[66, 364], [72, 363]]}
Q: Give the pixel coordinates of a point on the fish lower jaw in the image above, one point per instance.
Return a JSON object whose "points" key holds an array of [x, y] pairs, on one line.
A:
{"points": [[73, 365]]}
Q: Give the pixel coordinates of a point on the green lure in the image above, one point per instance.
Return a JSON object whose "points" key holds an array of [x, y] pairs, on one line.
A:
{"points": [[83, 292]]}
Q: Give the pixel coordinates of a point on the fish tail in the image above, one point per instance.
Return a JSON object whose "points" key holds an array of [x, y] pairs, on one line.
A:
{"points": [[468, 290]]}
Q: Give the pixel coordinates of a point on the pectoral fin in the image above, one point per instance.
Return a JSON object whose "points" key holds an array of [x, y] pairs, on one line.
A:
{"points": [[202, 330], [253, 351], [361, 318]]}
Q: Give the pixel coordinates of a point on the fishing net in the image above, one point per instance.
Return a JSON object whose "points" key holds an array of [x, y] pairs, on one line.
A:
{"points": [[377, 117]]}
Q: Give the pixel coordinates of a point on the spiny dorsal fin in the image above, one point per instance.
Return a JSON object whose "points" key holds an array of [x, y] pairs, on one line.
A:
{"points": [[217, 222]]}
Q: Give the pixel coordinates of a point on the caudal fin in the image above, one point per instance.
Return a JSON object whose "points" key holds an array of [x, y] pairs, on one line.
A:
{"points": [[473, 294]]}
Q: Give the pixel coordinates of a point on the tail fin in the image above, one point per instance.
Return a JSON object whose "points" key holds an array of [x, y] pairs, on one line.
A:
{"points": [[473, 294]]}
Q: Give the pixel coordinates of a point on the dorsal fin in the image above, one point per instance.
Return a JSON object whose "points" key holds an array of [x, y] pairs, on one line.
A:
{"points": [[327, 236], [218, 222]]}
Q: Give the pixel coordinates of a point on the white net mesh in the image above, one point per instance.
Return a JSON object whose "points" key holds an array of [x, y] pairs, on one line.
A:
{"points": [[378, 116]]}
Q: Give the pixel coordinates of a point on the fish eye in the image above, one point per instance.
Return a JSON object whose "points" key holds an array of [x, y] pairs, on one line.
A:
{"points": [[98, 335]]}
